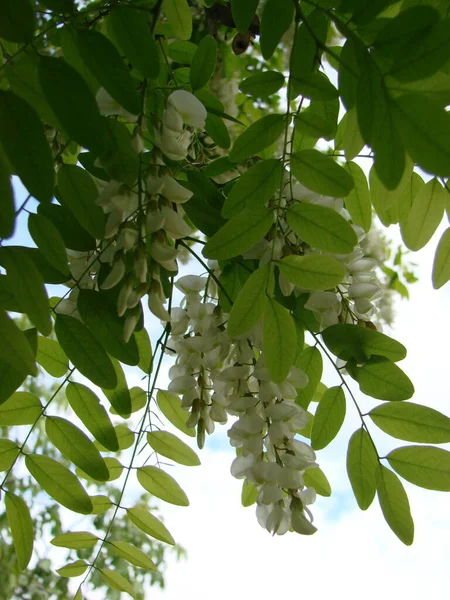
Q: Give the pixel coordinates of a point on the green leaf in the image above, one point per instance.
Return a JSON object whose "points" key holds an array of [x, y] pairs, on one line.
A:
{"points": [[162, 485], [425, 466], [260, 135], [49, 241], [310, 362], [114, 579], [170, 406], [92, 414], [251, 301], [254, 187], [21, 525], [321, 174], [276, 18], [8, 454], [133, 555], [75, 237], [322, 228], [134, 37], [441, 264], [319, 119], [279, 340], [306, 51], [406, 200], [102, 320], [348, 137], [316, 86], [312, 271], [330, 415], [181, 51], [425, 215], [83, 350], [100, 504], [362, 463], [64, 88], [17, 21], [145, 351], [169, 445], [28, 285], [262, 84], [51, 357], [243, 12], [382, 379], [79, 193], [120, 161], [239, 234], [15, 349], [149, 524], [357, 201], [348, 341], [217, 131], [73, 569], [371, 103], [412, 422], [395, 505], [59, 483], [23, 139], [104, 61], [119, 397], [425, 129], [76, 446], [203, 62], [22, 408], [179, 16], [75, 540], [7, 204], [317, 479], [249, 494]]}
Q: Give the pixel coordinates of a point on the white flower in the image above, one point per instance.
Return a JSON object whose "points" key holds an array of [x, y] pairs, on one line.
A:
{"points": [[189, 108], [174, 191]]}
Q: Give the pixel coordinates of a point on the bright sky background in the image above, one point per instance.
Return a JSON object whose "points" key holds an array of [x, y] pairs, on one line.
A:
{"points": [[353, 554]]}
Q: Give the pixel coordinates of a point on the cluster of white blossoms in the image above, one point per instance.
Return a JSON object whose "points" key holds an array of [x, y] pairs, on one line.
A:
{"points": [[141, 227], [217, 377]]}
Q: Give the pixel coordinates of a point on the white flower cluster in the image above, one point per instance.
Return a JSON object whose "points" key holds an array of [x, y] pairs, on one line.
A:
{"points": [[217, 377], [141, 229]]}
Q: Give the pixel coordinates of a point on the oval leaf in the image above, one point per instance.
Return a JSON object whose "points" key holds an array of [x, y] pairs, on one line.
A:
{"points": [[425, 466], [382, 379], [162, 485], [313, 271], [311, 363], [59, 483], [73, 569], [21, 526], [279, 340], [8, 454], [425, 215], [357, 201], [75, 540], [276, 18], [133, 555], [395, 505], [15, 352], [116, 581], [169, 445], [49, 241], [203, 62], [321, 174], [362, 463], [170, 406], [329, 417], [441, 264], [317, 479], [22, 408], [51, 357], [260, 135], [262, 84], [17, 21], [149, 524], [179, 16]]}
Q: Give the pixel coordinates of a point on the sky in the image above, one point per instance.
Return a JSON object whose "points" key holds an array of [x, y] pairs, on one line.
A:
{"points": [[353, 553]]}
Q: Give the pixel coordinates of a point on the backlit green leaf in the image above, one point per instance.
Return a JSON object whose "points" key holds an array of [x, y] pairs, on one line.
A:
{"points": [[254, 187], [319, 119], [311, 363], [249, 494], [276, 18], [382, 379], [312, 271], [425, 466], [51, 357], [362, 463], [425, 215], [75, 237], [133, 555], [116, 581], [15, 349], [357, 201], [22, 408], [120, 161], [243, 12], [169, 445], [162, 485], [353, 341], [239, 234], [24, 143], [73, 569], [260, 135], [441, 264], [119, 397], [49, 241], [59, 483], [203, 62], [250, 303], [394, 504], [75, 540], [279, 340], [100, 504], [145, 350], [329, 417], [8, 453], [321, 174], [21, 525], [179, 16], [322, 228], [83, 350], [79, 193], [262, 84], [170, 406], [132, 33], [7, 204], [317, 479], [412, 422], [348, 137], [92, 414], [76, 446], [17, 20], [149, 524]]}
